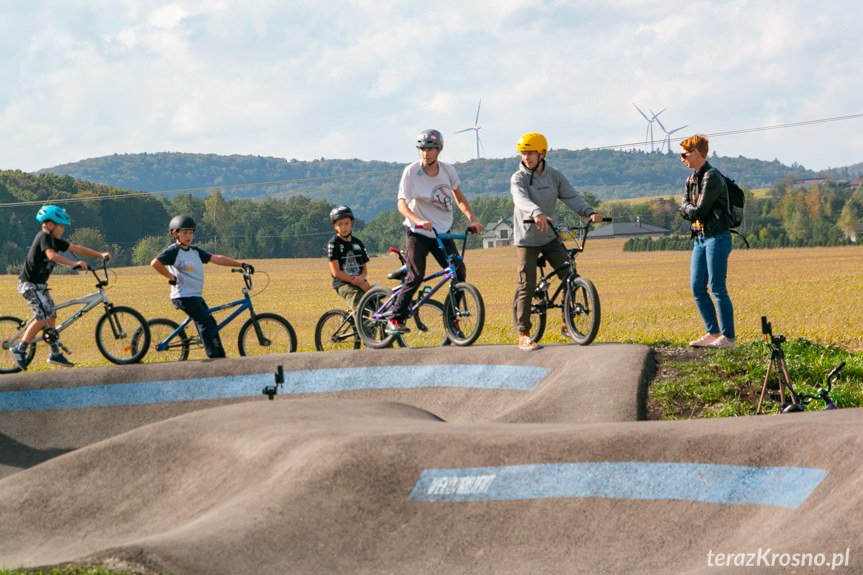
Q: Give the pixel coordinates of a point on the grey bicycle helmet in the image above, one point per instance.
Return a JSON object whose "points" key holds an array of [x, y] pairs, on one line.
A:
{"points": [[340, 212], [54, 214], [430, 139], [182, 222]]}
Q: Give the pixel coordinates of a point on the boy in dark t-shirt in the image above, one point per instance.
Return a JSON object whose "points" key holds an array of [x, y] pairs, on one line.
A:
{"points": [[183, 265], [348, 258], [44, 253]]}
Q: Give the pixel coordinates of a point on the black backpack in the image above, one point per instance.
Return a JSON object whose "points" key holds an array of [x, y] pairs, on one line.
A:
{"points": [[736, 200]]}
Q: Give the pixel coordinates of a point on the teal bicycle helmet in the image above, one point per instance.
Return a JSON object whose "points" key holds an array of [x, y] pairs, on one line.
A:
{"points": [[53, 214]]}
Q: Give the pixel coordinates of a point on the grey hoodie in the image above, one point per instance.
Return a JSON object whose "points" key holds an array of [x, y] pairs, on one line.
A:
{"points": [[534, 194]]}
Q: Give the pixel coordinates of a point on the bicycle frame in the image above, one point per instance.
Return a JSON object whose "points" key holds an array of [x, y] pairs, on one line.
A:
{"points": [[569, 265], [87, 303], [244, 304], [448, 272]]}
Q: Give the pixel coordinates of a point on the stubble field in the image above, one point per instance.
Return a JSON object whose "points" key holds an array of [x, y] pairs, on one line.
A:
{"points": [[811, 293]]}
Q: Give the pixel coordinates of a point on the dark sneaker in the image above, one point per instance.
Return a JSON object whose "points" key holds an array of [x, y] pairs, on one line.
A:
{"points": [[395, 326], [20, 357], [59, 359]]}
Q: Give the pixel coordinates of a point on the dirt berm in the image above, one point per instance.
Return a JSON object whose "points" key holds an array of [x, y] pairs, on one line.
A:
{"points": [[454, 460]]}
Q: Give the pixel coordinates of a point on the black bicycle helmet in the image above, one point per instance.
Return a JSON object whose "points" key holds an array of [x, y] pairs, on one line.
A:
{"points": [[182, 223], [430, 139], [340, 212]]}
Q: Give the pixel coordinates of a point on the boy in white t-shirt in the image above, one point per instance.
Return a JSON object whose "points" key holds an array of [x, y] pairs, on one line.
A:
{"points": [[183, 266], [427, 191]]}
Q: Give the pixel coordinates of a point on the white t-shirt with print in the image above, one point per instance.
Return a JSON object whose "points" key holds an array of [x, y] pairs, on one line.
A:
{"points": [[430, 198]]}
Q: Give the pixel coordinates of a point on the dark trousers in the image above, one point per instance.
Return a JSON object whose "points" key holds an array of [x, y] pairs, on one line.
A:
{"points": [[417, 249], [196, 308]]}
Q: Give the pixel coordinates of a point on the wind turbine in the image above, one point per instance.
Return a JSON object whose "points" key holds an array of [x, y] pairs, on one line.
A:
{"points": [[667, 140], [476, 128], [649, 132]]}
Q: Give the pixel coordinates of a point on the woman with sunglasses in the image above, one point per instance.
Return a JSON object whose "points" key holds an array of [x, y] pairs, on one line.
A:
{"points": [[704, 205]]}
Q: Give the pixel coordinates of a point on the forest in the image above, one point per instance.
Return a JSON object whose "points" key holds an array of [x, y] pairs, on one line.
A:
{"points": [[370, 186], [133, 225]]}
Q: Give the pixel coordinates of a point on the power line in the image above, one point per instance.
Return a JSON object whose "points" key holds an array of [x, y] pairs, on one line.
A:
{"points": [[387, 172]]}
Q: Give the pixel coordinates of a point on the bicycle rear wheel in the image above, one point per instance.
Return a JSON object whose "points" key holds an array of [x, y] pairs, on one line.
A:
{"points": [[428, 328], [122, 335], [581, 310], [537, 315], [373, 331], [463, 314], [9, 328], [177, 349], [336, 330], [279, 336]]}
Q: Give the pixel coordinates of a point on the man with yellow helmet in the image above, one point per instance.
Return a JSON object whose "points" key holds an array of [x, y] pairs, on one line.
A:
{"points": [[535, 189]]}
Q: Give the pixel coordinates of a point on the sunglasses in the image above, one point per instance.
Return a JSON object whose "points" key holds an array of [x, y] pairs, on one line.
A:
{"points": [[684, 154]]}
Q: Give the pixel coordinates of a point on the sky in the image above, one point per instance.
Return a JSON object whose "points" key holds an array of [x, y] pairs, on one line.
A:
{"points": [[360, 79]]}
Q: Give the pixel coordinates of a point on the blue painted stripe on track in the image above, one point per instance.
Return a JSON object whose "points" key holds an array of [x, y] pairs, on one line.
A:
{"points": [[492, 377], [703, 482]]}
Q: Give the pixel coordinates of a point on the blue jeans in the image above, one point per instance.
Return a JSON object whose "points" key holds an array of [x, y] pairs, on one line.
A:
{"points": [[708, 270]]}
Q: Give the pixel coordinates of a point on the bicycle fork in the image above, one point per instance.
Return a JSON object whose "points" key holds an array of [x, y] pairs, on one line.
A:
{"points": [[263, 341]]}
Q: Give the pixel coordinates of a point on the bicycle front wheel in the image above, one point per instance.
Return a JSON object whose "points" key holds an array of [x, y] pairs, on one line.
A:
{"points": [[581, 310], [373, 331], [463, 314], [278, 336], [9, 330], [122, 335], [537, 315], [428, 328], [336, 330], [176, 349]]}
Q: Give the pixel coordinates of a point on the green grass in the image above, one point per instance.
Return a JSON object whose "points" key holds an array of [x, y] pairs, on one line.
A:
{"points": [[728, 382]]}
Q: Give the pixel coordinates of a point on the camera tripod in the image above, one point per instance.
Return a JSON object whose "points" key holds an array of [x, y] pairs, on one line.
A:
{"points": [[777, 363]]}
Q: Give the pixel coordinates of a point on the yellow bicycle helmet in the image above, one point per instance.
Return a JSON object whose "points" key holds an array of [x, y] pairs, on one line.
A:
{"points": [[532, 142]]}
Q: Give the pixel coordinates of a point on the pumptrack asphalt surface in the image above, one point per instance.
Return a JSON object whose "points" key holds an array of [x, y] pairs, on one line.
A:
{"points": [[482, 459]]}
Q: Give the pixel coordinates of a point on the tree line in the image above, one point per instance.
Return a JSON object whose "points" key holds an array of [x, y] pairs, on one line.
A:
{"points": [[788, 215], [134, 229], [369, 186]]}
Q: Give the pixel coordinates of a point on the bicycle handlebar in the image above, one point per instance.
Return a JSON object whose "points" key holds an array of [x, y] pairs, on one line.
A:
{"points": [[834, 375], [247, 275], [101, 282]]}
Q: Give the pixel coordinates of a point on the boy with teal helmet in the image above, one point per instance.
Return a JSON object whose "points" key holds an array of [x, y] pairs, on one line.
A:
{"points": [[44, 254]]}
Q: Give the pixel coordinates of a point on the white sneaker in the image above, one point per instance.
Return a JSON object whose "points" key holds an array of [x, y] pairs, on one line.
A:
{"points": [[525, 344], [722, 342], [704, 341]]}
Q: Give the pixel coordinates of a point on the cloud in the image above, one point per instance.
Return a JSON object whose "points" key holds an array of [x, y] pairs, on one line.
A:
{"points": [[353, 78]]}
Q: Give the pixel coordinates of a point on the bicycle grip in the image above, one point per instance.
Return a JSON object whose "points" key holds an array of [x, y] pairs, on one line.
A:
{"points": [[836, 370]]}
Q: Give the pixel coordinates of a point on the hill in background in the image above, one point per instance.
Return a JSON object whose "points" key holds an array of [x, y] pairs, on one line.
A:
{"points": [[370, 186]]}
